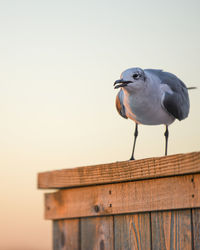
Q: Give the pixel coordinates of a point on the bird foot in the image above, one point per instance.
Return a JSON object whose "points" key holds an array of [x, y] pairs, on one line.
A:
{"points": [[132, 158]]}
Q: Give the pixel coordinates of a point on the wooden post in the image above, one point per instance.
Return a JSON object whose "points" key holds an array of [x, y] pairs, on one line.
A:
{"points": [[146, 204]]}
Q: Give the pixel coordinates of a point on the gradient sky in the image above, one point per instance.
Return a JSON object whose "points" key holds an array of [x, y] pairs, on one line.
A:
{"points": [[59, 60]]}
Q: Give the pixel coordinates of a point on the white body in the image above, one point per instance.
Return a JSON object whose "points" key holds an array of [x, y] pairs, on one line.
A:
{"points": [[144, 105], [151, 97]]}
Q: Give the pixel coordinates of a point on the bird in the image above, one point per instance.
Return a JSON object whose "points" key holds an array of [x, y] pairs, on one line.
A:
{"points": [[151, 97]]}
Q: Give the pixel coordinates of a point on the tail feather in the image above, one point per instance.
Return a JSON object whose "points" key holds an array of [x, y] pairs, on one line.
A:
{"points": [[192, 88]]}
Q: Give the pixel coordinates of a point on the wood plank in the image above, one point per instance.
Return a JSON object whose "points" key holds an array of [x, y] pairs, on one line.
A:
{"points": [[138, 196], [132, 232], [121, 171], [66, 235], [171, 230], [97, 233], [196, 228]]}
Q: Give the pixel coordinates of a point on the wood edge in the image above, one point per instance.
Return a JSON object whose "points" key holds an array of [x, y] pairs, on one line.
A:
{"points": [[116, 162], [121, 213], [47, 196], [41, 176]]}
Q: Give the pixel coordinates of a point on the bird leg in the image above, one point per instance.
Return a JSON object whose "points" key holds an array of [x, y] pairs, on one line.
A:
{"points": [[135, 137], [166, 134]]}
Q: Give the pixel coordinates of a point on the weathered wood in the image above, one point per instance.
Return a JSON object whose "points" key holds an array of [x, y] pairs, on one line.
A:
{"points": [[132, 232], [138, 196], [97, 233], [196, 228], [171, 230], [66, 235], [121, 171]]}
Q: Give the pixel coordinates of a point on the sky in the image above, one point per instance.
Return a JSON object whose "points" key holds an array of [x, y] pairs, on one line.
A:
{"points": [[59, 60]]}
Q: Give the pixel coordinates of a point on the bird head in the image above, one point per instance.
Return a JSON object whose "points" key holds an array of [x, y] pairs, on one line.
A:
{"points": [[132, 78]]}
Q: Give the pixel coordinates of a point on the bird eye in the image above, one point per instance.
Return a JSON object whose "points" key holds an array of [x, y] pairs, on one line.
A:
{"points": [[136, 76]]}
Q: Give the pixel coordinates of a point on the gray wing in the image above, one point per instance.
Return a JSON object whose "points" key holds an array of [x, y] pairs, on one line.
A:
{"points": [[177, 104], [119, 104]]}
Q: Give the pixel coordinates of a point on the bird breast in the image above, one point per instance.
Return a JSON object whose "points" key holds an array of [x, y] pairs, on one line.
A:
{"points": [[144, 106]]}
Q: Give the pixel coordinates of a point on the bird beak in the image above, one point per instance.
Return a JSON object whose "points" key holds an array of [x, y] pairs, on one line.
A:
{"points": [[121, 83]]}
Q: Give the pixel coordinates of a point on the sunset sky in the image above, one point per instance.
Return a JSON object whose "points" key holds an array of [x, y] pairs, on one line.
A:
{"points": [[59, 60]]}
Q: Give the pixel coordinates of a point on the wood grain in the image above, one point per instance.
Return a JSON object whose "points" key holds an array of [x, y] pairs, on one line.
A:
{"points": [[66, 235], [97, 233], [130, 197], [121, 171], [196, 228], [171, 230], [132, 232]]}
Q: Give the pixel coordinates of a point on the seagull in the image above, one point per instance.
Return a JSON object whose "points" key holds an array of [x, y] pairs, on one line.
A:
{"points": [[151, 97]]}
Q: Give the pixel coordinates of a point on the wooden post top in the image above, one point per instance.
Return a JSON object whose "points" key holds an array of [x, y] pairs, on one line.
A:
{"points": [[124, 171]]}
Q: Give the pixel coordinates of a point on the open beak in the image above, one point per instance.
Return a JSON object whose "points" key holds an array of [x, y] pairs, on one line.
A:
{"points": [[121, 83]]}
